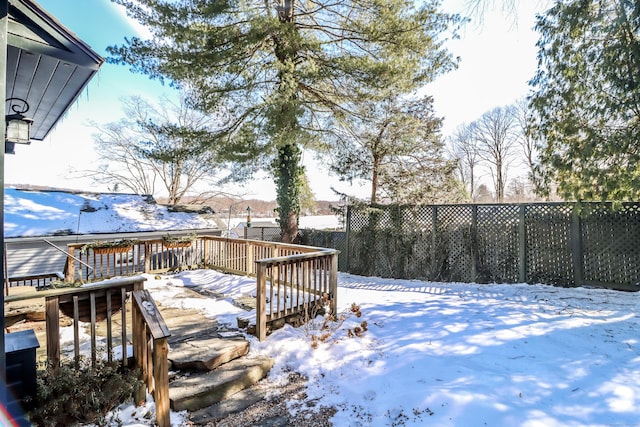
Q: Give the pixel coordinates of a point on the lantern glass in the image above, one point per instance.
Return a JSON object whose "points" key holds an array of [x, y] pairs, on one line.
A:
{"points": [[18, 129]]}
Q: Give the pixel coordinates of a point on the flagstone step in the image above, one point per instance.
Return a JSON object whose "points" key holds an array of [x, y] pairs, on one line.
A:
{"points": [[205, 353], [197, 390], [207, 360]]}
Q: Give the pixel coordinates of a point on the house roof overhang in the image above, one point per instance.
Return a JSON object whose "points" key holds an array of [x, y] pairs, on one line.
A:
{"points": [[47, 65]]}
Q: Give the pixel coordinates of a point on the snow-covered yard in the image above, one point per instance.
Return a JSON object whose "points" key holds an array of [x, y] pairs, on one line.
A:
{"points": [[451, 354]]}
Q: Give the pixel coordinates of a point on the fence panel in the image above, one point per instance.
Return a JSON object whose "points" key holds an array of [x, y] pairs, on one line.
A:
{"points": [[548, 244], [610, 245], [454, 255], [327, 239], [555, 243], [372, 241], [497, 243]]}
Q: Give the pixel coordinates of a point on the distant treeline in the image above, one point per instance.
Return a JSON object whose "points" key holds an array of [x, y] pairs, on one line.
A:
{"points": [[259, 208]]}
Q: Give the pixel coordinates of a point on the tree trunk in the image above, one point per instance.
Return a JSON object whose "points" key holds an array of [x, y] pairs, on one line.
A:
{"points": [[288, 173], [374, 181]]}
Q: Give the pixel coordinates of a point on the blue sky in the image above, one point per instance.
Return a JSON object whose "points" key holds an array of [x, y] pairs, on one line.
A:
{"points": [[498, 57]]}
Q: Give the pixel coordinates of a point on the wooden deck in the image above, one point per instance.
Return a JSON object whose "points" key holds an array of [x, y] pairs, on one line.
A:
{"points": [[290, 277], [210, 358]]}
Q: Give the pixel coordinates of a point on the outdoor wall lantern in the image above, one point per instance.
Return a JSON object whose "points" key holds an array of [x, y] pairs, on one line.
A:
{"points": [[248, 216], [18, 126]]}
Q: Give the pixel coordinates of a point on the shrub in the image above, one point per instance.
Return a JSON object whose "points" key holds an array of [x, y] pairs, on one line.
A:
{"points": [[320, 325], [81, 393]]}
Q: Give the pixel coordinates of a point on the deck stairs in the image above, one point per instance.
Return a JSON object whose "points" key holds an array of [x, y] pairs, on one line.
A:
{"points": [[210, 371]]}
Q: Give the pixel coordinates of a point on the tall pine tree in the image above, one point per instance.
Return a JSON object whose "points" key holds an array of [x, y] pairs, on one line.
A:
{"points": [[275, 69]]}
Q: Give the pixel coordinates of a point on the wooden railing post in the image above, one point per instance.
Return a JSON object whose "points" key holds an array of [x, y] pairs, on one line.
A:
{"points": [[161, 380], [333, 282], [147, 257], [70, 272], [139, 353], [150, 338], [52, 317], [249, 264], [261, 302], [206, 251]]}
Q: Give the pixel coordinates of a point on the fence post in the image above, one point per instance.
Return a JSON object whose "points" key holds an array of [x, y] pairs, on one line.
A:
{"points": [[522, 245], [348, 246], [576, 244], [261, 304], [434, 242], [474, 243]]}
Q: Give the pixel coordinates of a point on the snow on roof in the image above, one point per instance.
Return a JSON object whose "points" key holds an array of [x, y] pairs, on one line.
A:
{"points": [[30, 213]]}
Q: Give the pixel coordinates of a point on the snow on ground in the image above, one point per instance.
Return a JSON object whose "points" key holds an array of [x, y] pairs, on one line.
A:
{"points": [[450, 354]]}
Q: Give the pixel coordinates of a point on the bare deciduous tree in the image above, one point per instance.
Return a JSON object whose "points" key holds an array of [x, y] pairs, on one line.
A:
{"points": [[158, 147], [496, 138], [523, 118], [465, 150]]}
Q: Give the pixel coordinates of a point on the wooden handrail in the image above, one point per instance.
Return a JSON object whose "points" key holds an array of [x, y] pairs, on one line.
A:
{"points": [[299, 257], [150, 336]]}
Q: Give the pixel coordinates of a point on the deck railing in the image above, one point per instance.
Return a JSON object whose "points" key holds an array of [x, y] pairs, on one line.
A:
{"points": [[298, 274], [151, 350], [107, 300], [293, 285]]}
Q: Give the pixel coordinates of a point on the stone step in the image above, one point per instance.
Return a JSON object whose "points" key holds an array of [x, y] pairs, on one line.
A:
{"points": [[202, 389], [231, 405], [201, 353]]}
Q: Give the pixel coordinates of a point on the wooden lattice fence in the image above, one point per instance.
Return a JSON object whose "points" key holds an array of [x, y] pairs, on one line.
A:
{"points": [[556, 243]]}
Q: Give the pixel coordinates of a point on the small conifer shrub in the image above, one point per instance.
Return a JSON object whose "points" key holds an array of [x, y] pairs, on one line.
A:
{"points": [[79, 393]]}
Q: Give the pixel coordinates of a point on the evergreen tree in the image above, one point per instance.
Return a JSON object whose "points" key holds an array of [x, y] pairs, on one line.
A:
{"points": [[587, 99], [276, 69], [396, 145]]}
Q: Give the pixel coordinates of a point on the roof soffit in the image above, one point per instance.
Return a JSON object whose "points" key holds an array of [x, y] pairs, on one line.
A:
{"points": [[47, 65]]}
